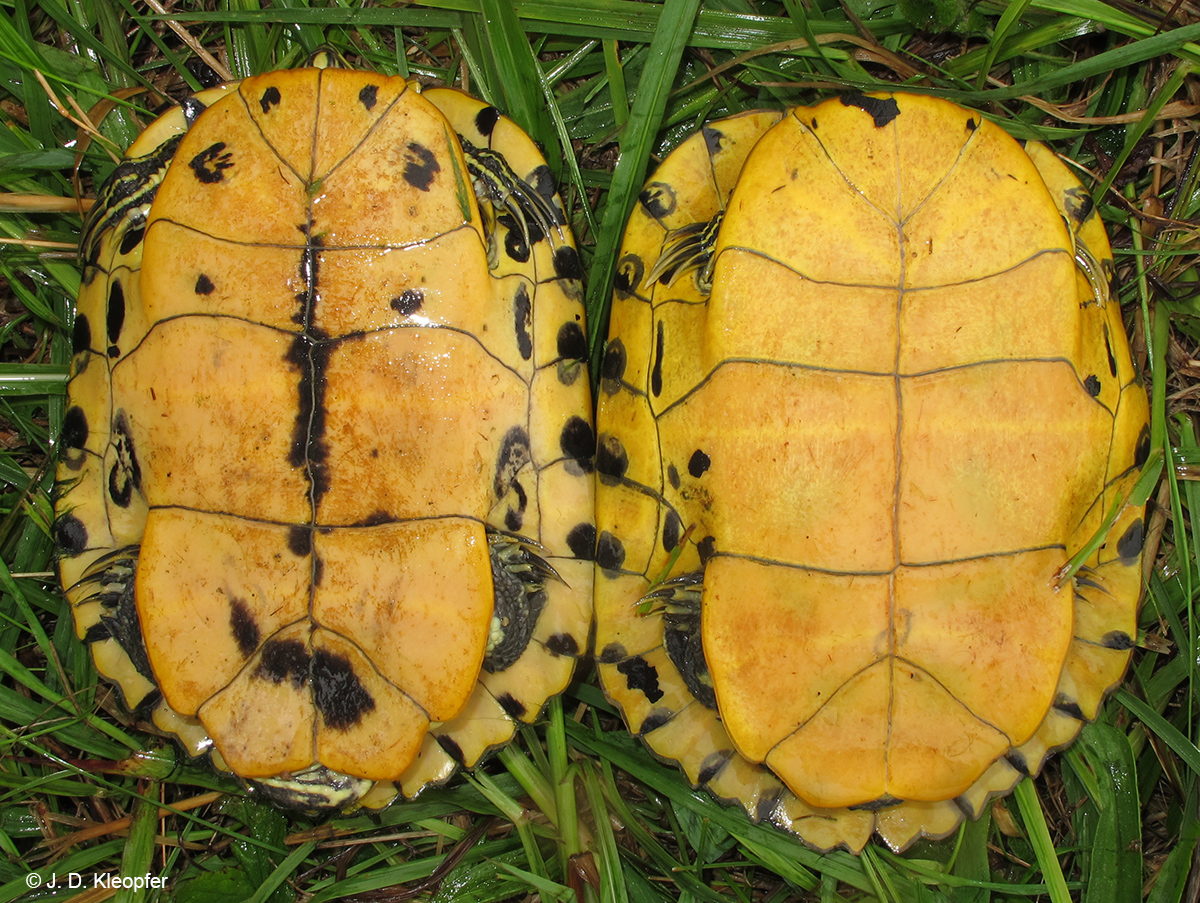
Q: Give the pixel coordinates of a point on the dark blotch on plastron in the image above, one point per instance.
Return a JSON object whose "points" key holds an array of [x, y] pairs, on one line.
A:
{"points": [[611, 654], [641, 676], [210, 164], [1142, 452], [338, 694], [610, 552], [672, 530], [712, 140], [132, 238], [578, 442], [562, 644], [450, 748], [673, 476], [408, 302], [243, 626], [972, 125], [74, 433], [204, 285], [375, 519], [1129, 546], [656, 371], [1092, 385], [125, 475], [699, 463], [115, 312], [522, 317], [420, 166], [308, 448], [616, 360], [658, 199], [712, 764], [581, 540], [1117, 639], [611, 458], [1112, 360], [566, 263], [299, 541], [571, 343], [70, 534], [486, 119], [512, 706], [270, 98], [282, 660], [881, 109], [368, 96], [81, 334], [631, 269], [706, 548]]}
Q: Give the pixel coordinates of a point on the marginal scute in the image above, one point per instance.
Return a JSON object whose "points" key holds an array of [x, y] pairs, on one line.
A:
{"points": [[879, 460]]}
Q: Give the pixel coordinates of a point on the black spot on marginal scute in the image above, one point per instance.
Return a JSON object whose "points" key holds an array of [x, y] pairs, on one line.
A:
{"points": [[965, 807], [1142, 453], [74, 433], [1092, 384], [282, 660], [767, 804], [616, 359], [132, 238], [542, 180], [972, 125], [1068, 707], [566, 263], [210, 164], [1129, 546], [578, 441], [571, 343], [486, 119], [698, 463], [878, 804], [610, 552], [672, 529], [881, 109], [144, 710], [81, 334], [630, 272], [712, 140], [70, 535], [1117, 639], [712, 764], [125, 475], [420, 166], [512, 706], [244, 627], [116, 310], [204, 285], [338, 694], [642, 676], [562, 644], [514, 454], [408, 302], [655, 719], [1082, 207], [656, 373], [707, 548], [192, 107], [300, 541], [611, 654], [611, 458], [452, 749], [368, 96], [673, 476], [658, 198], [581, 540], [522, 317], [516, 247], [270, 98]]}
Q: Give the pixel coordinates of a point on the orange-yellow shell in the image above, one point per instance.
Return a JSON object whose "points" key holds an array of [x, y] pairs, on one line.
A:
{"points": [[307, 379], [906, 403]]}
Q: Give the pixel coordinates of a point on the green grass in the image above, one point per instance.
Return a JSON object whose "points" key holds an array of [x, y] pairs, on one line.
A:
{"points": [[576, 810]]}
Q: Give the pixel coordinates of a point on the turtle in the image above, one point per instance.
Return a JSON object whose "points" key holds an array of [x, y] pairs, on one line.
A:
{"points": [[866, 391], [325, 495]]}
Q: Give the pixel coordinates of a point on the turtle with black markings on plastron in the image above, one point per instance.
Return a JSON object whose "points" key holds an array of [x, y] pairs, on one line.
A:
{"points": [[866, 391], [325, 489]]}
